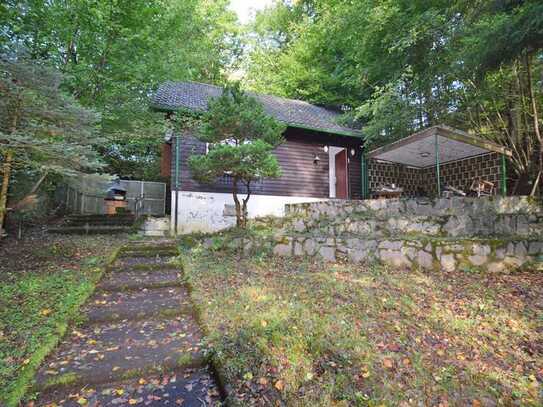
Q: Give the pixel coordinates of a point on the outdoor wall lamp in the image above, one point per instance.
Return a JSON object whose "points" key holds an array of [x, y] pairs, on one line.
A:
{"points": [[353, 152], [325, 149], [316, 160]]}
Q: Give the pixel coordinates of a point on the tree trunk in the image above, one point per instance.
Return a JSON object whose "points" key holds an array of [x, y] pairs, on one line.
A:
{"points": [[239, 219], [533, 103], [4, 191], [244, 206], [32, 191]]}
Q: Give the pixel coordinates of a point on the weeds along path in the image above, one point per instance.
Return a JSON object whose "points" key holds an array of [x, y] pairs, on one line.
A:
{"points": [[138, 344]]}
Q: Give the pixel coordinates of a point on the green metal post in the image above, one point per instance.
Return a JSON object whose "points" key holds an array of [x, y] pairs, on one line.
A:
{"points": [[437, 168], [363, 175], [504, 176]]}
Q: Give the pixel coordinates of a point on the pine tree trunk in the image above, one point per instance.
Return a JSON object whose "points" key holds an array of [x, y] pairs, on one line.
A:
{"points": [[4, 191], [237, 203]]}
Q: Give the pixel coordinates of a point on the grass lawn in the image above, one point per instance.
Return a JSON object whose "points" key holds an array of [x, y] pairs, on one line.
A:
{"points": [[42, 285], [307, 333]]}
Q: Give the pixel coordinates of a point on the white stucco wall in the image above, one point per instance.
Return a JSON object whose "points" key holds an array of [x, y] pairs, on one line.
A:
{"points": [[205, 211]]}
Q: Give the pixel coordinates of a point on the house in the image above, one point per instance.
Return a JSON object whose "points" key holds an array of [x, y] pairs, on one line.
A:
{"points": [[320, 159]]}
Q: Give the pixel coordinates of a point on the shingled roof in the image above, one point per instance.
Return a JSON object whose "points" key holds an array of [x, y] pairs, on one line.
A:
{"points": [[172, 96]]}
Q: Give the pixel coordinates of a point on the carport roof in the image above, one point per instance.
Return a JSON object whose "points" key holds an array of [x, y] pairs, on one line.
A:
{"points": [[419, 150]]}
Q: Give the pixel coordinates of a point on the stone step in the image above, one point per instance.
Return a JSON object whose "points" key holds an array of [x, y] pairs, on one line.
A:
{"points": [[114, 351], [91, 230], [131, 280], [191, 387], [136, 252], [143, 263], [138, 304], [143, 267]]}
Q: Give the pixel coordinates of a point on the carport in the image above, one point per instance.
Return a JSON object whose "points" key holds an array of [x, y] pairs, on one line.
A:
{"points": [[434, 158]]}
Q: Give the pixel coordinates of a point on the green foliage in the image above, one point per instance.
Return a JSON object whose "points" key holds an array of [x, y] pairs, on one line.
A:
{"points": [[46, 128], [242, 137], [114, 53], [404, 65]]}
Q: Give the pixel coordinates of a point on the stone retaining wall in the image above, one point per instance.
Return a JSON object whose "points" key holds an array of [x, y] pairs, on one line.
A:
{"points": [[437, 254], [494, 233]]}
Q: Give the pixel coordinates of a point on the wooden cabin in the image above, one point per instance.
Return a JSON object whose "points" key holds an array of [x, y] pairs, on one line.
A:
{"points": [[320, 159]]}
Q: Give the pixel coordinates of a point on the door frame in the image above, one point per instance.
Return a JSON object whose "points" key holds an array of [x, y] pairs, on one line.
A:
{"points": [[332, 152]]}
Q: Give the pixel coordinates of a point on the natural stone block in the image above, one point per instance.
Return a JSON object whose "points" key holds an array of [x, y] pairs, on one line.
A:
{"points": [[390, 245], [282, 250], [327, 253], [495, 267], [481, 250], [520, 250], [425, 260], [448, 262], [535, 248], [310, 247], [357, 255], [299, 226], [394, 258], [478, 260], [298, 249]]}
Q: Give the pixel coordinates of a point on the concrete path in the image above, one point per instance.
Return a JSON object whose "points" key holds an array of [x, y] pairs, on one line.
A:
{"points": [[139, 344]]}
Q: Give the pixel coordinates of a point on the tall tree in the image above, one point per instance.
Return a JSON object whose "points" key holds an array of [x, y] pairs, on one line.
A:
{"points": [[41, 127], [241, 137], [114, 53], [405, 65]]}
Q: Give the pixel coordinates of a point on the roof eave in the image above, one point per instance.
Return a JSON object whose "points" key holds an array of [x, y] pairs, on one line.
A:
{"points": [[451, 133], [354, 133]]}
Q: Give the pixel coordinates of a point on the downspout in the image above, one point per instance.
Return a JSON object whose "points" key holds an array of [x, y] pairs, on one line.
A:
{"points": [[176, 184], [437, 168]]}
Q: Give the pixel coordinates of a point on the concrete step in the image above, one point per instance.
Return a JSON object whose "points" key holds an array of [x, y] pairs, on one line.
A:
{"points": [[191, 387], [90, 230], [138, 304], [122, 349], [132, 280]]}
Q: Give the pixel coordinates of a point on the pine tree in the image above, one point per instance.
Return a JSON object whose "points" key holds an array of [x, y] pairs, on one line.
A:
{"points": [[241, 137]]}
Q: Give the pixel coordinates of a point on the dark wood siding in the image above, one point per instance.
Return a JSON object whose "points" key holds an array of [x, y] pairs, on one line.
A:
{"points": [[300, 176], [166, 160]]}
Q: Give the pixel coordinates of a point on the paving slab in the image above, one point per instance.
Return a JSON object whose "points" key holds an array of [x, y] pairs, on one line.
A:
{"points": [[134, 279], [145, 303], [189, 388], [138, 261], [100, 354], [140, 344]]}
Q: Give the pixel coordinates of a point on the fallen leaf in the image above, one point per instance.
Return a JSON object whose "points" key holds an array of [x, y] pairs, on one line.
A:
{"points": [[132, 401], [45, 312], [263, 323], [82, 401], [388, 363], [476, 403], [263, 381], [142, 381], [279, 385]]}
